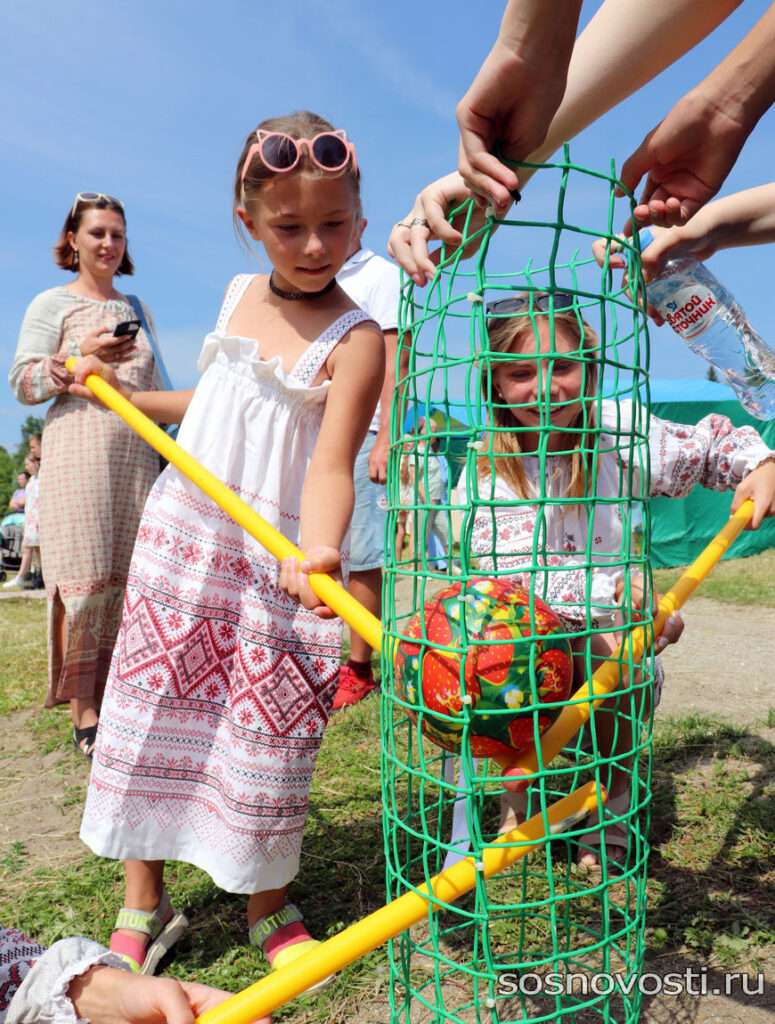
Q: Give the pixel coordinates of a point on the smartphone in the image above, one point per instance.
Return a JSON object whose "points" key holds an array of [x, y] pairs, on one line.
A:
{"points": [[130, 327]]}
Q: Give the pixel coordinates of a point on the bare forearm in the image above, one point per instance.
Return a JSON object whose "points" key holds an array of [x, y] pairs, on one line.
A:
{"points": [[743, 84], [402, 379], [162, 406], [388, 386], [527, 31], [326, 507], [745, 218], [625, 45]]}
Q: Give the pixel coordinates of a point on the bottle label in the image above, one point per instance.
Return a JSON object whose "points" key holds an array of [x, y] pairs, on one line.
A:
{"points": [[690, 310]]}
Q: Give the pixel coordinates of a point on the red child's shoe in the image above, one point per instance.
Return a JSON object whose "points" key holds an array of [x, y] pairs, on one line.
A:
{"points": [[353, 687]]}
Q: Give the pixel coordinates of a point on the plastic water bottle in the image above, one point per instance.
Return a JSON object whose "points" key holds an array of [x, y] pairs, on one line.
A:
{"points": [[706, 316]]}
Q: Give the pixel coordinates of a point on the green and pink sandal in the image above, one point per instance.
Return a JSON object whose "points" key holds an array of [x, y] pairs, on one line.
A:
{"points": [[163, 926], [283, 938]]}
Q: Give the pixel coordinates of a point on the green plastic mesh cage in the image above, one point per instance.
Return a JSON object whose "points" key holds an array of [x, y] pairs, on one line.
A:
{"points": [[546, 500]]}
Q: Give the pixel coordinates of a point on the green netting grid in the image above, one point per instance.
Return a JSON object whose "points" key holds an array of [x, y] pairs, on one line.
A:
{"points": [[419, 795]]}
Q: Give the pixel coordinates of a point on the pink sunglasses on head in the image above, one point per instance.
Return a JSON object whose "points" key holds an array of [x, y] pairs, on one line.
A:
{"points": [[330, 151]]}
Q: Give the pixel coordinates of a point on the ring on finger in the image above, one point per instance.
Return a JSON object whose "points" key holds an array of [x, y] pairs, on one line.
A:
{"points": [[420, 222]]}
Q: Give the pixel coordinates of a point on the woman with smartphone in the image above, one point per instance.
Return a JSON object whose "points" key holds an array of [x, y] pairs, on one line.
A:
{"points": [[96, 473]]}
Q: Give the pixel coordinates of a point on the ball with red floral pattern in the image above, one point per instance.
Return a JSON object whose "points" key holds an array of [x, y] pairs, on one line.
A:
{"points": [[487, 645]]}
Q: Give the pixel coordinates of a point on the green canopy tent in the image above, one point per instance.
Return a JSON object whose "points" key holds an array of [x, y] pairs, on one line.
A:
{"points": [[681, 528]]}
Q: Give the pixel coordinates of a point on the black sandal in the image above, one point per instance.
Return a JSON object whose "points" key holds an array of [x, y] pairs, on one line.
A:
{"points": [[84, 740]]}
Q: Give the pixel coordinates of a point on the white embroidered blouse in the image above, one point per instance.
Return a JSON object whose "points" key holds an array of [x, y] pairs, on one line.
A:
{"points": [[550, 541]]}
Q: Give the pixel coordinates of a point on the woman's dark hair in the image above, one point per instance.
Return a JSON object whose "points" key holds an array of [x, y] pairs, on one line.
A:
{"points": [[302, 124], [64, 255]]}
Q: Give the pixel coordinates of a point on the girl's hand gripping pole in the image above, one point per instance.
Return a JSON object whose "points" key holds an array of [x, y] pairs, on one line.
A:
{"points": [[606, 678]]}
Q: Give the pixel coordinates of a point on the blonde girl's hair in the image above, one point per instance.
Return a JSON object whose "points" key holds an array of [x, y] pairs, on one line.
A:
{"points": [[302, 124], [504, 333]]}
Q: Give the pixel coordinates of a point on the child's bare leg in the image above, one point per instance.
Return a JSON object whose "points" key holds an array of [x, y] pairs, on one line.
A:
{"points": [[614, 731], [148, 926], [262, 904], [144, 888], [400, 535]]}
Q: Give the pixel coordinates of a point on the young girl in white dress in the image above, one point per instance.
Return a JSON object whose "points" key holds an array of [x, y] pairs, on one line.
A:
{"points": [[546, 398], [226, 663]]}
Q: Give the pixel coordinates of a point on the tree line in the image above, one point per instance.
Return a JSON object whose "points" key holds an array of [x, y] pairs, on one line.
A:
{"points": [[13, 464]]}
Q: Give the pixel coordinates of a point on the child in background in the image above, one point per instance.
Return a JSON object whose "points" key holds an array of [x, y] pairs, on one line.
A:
{"points": [[21, 501], [29, 571], [437, 532], [19, 496], [373, 283], [226, 664], [712, 453]]}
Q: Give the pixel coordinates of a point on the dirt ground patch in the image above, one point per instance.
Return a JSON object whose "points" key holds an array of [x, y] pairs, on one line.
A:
{"points": [[724, 664], [42, 799]]}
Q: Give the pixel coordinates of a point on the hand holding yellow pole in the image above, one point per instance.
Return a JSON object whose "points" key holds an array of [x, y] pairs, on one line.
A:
{"points": [[327, 589], [606, 678]]}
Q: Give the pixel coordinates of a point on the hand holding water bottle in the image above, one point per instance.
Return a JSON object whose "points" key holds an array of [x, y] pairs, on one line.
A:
{"points": [[739, 219], [699, 308]]}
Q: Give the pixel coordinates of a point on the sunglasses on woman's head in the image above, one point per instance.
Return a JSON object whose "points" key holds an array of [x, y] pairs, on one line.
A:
{"points": [[521, 303], [329, 151], [93, 197]]}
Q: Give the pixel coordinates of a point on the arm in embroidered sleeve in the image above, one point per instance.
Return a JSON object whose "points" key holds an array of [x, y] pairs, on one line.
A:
{"points": [[712, 453], [40, 978], [38, 371], [17, 956]]}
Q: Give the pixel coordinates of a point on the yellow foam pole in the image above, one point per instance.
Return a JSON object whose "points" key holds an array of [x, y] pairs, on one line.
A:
{"points": [[606, 678], [327, 589], [373, 931]]}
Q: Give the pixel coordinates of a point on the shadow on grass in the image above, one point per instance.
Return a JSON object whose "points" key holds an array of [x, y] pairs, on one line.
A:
{"points": [[711, 875]]}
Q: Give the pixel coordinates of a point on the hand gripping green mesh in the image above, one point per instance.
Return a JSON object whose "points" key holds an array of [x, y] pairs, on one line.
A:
{"points": [[507, 951]]}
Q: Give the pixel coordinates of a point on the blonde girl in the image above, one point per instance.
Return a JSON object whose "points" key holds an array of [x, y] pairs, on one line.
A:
{"points": [[549, 432]]}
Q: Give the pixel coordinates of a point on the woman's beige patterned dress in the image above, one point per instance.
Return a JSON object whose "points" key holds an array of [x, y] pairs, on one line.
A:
{"points": [[95, 476]]}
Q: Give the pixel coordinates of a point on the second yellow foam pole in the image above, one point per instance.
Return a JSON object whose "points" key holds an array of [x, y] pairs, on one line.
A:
{"points": [[606, 678], [327, 589], [279, 987]]}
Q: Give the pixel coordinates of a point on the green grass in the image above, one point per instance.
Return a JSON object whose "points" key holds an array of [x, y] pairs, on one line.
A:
{"points": [[747, 581], [711, 877], [24, 659]]}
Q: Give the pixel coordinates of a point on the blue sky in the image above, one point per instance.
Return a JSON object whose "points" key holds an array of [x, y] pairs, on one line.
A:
{"points": [[150, 102]]}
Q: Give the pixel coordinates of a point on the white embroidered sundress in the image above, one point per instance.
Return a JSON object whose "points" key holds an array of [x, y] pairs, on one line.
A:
{"points": [[220, 685]]}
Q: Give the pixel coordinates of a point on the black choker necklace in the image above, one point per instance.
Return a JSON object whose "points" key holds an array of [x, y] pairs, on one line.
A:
{"points": [[281, 293]]}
